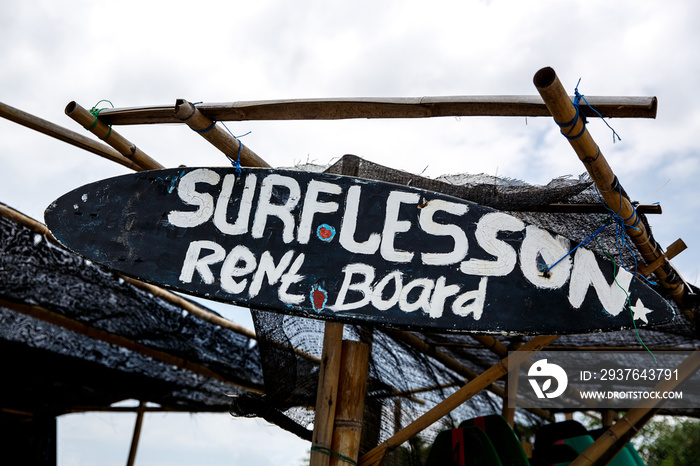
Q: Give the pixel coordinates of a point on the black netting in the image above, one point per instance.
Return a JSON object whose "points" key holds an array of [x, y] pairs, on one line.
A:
{"points": [[405, 382], [34, 271]]}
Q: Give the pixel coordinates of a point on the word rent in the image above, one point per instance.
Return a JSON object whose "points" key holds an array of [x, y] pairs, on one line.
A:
{"points": [[344, 248]]}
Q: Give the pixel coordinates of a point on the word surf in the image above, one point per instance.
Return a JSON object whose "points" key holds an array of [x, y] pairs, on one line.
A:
{"points": [[346, 249]]}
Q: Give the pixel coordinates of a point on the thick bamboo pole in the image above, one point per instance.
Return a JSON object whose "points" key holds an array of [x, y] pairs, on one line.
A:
{"points": [[352, 386], [221, 139], [608, 444], [137, 434], [59, 320], [566, 116], [65, 135], [93, 124], [400, 107], [486, 378], [326, 398]]}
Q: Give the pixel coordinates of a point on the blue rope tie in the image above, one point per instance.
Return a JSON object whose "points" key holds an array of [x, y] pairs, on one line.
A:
{"points": [[578, 97]]}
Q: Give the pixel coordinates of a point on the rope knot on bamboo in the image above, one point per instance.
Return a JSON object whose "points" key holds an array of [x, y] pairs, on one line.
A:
{"points": [[95, 111]]}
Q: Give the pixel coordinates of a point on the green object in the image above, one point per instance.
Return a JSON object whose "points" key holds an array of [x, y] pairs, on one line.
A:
{"points": [[626, 457], [510, 450], [467, 446]]}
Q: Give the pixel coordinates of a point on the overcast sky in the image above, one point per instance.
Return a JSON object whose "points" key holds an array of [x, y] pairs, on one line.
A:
{"points": [[137, 53]]}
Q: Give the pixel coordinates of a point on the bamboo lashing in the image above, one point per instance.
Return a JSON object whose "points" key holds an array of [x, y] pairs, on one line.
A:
{"points": [[222, 140], [400, 107], [63, 134], [634, 418], [93, 124], [486, 378], [566, 115]]}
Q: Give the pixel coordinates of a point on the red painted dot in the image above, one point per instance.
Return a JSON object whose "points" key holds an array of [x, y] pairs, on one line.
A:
{"points": [[319, 299]]}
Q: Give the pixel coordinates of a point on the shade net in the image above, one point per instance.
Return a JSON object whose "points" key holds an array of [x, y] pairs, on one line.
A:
{"points": [[87, 371], [405, 382]]}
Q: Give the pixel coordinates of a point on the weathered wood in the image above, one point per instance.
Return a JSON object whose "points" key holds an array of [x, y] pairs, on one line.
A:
{"points": [[406, 107], [672, 251], [327, 394], [589, 209], [608, 444], [352, 386], [93, 124], [65, 135], [566, 115], [334, 238], [222, 140], [486, 378], [118, 340]]}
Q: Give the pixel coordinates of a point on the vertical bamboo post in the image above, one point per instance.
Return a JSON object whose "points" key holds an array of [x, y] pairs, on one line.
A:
{"points": [[221, 139], [326, 397], [511, 387], [93, 124], [574, 128], [137, 434], [352, 387]]}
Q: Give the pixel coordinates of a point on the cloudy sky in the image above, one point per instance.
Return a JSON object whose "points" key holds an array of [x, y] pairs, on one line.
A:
{"points": [[137, 53]]}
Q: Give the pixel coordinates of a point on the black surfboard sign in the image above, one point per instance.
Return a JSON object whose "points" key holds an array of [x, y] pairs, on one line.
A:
{"points": [[346, 249]]}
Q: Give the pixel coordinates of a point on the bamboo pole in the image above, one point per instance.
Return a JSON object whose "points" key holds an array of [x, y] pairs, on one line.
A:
{"points": [[352, 386], [565, 114], [222, 140], [401, 107], [63, 134], [326, 398], [93, 124], [59, 320], [610, 443], [137, 434], [511, 389], [451, 363], [486, 378]]}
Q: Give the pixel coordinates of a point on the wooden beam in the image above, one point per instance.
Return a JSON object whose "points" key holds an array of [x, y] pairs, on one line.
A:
{"points": [[672, 251], [65, 135], [59, 320], [588, 209], [93, 124], [486, 378], [402, 107]]}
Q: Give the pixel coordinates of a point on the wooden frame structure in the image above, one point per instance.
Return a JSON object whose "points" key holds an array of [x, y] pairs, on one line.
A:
{"points": [[343, 364]]}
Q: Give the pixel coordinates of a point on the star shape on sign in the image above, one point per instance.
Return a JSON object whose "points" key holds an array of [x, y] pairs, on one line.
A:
{"points": [[640, 311]]}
